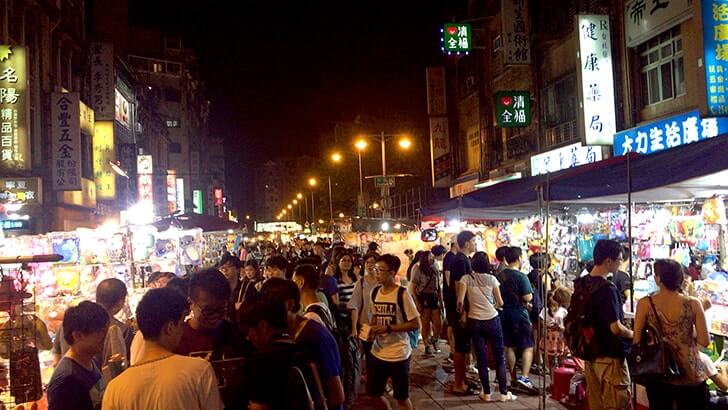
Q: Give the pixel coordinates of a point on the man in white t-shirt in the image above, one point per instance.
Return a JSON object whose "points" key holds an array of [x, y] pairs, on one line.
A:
{"points": [[393, 315], [160, 379]]}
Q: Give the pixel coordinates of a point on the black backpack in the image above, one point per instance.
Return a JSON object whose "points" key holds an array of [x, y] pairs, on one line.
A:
{"points": [[579, 327], [326, 316]]}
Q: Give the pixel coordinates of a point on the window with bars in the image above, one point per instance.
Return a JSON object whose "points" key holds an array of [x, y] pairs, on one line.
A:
{"points": [[662, 67], [558, 111]]}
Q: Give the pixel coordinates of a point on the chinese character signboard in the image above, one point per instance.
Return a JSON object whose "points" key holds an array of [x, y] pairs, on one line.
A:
{"points": [[669, 133], [715, 41], [566, 157], [180, 194], [517, 43], [14, 225], [145, 179], [121, 109], [596, 80], [104, 151], [457, 37], [102, 81], [14, 144], [171, 191], [513, 109], [440, 152], [643, 19], [436, 100], [66, 141], [383, 181], [21, 191], [197, 201]]}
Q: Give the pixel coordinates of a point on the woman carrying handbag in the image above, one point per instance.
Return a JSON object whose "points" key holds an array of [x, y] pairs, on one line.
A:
{"points": [[680, 324]]}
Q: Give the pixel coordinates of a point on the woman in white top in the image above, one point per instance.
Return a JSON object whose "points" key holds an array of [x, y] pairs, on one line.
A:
{"points": [[481, 288]]}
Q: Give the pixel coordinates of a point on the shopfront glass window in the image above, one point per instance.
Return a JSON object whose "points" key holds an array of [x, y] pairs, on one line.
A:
{"points": [[661, 67]]}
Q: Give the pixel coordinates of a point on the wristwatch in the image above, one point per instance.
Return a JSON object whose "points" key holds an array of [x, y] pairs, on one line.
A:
{"points": [[389, 329]]}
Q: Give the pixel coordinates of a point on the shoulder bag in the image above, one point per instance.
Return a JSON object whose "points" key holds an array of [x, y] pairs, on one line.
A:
{"points": [[652, 358]]}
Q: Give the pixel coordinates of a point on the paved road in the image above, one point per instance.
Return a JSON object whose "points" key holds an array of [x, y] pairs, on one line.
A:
{"points": [[430, 382]]}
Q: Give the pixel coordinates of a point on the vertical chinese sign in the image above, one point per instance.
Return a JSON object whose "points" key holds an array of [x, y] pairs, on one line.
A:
{"points": [[103, 147], [513, 109], [171, 191], [596, 80], [197, 201], [66, 141], [14, 141], [715, 41], [517, 43], [103, 87], [145, 184], [217, 195], [457, 38], [440, 156]]}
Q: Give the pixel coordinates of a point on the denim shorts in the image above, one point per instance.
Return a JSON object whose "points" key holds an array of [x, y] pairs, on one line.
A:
{"points": [[518, 335]]}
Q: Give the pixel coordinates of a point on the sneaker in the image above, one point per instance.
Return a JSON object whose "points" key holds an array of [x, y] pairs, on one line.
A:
{"points": [[484, 397], [507, 397], [525, 383]]}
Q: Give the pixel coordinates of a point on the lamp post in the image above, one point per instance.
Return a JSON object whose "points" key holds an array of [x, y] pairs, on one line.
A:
{"points": [[404, 143], [312, 182], [331, 204]]}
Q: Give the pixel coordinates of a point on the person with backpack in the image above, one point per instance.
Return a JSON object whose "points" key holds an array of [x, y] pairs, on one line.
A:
{"points": [[278, 363], [517, 294], [393, 315], [313, 337], [308, 279], [483, 322], [595, 330]]}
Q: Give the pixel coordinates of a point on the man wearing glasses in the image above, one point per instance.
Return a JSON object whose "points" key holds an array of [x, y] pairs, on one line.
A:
{"points": [[207, 333]]}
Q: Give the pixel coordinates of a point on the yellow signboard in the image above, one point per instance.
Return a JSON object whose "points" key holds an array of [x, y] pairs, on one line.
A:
{"points": [[103, 145], [86, 197], [87, 119], [14, 144]]}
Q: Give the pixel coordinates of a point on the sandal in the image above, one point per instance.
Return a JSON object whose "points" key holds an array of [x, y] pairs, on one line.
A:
{"points": [[472, 390]]}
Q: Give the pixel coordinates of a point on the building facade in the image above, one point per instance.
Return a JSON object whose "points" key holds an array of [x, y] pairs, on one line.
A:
{"points": [[579, 96]]}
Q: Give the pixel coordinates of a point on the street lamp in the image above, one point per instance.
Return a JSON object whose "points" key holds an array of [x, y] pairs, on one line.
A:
{"points": [[336, 157], [404, 142], [312, 182]]}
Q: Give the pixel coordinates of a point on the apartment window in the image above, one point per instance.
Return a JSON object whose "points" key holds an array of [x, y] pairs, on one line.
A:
{"points": [[175, 148], [172, 42], [662, 68], [172, 123], [173, 95], [157, 67], [558, 111]]}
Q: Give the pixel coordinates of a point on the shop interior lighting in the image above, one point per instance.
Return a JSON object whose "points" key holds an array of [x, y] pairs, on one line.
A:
{"points": [[385, 226]]}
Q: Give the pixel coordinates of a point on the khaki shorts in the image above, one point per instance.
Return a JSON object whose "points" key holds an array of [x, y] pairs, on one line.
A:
{"points": [[608, 384]]}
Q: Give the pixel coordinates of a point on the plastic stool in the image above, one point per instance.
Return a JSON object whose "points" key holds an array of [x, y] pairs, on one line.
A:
{"points": [[561, 381]]}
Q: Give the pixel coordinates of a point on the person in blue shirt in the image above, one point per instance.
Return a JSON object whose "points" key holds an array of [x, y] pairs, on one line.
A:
{"points": [[84, 328]]}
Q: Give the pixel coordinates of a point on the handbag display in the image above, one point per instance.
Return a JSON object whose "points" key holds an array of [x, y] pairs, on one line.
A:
{"points": [[652, 358]]}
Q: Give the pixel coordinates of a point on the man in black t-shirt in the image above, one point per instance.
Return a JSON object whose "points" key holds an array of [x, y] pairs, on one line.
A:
{"points": [[607, 376]]}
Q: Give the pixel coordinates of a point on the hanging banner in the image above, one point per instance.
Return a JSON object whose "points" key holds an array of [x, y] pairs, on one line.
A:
{"points": [[517, 41], [66, 141], [197, 201], [513, 109], [171, 191], [436, 99], [644, 19], [457, 38], [103, 147], [715, 43], [566, 157], [145, 181], [121, 109], [180, 199], [103, 80], [596, 80], [669, 133], [440, 156], [14, 140]]}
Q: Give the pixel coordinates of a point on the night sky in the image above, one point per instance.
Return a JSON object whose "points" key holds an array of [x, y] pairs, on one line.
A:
{"points": [[279, 75]]}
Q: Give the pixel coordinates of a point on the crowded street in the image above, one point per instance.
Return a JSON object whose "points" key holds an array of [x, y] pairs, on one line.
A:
{"points": [[391, 204]]}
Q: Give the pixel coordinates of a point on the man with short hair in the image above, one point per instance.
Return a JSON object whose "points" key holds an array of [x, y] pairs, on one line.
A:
{"points": [[460, 267], [161, 379], [607, 376], [393, 315], [111, 295], [208, 333], [312, 337], [500, 256], [276, 267], [70, 387], [517, 293]]}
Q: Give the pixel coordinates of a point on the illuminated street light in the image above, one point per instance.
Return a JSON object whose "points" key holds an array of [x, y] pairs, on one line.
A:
{"points": [[336, 157], [247, 216], [312, 182], [284, 212], [289, 206], [341, 214], [405, 143], [299, 195], [295, 202], [361, 144], [321, 221]]}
